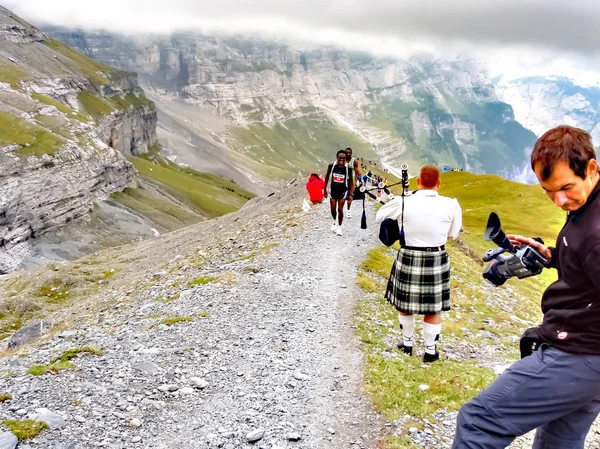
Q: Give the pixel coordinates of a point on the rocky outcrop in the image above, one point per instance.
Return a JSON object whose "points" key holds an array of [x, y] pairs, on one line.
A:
{"points": [[13, 29], [69, 123], [42, 194], [130, 131]]}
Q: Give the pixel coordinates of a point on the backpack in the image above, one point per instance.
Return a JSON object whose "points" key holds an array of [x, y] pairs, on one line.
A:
{"points": [[389, 232]]}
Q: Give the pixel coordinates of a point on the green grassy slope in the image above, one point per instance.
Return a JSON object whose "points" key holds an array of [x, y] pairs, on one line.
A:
{"points": [[203, 193], [306, 144], [497, 142]]}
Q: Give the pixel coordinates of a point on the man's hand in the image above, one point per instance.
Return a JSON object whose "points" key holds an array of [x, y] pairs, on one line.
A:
{"points": [[325, 193], [519, 239]]}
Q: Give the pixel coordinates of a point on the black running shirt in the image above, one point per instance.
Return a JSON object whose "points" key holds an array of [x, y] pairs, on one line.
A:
{"points": [[340, 181]]}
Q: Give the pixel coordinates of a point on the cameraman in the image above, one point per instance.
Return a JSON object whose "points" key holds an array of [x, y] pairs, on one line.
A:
{"points": [[556, 389]]}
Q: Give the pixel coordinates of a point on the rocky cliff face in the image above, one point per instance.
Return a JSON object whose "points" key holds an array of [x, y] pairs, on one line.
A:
{"points": [[543, 103], [66, 123], [409, 111]]}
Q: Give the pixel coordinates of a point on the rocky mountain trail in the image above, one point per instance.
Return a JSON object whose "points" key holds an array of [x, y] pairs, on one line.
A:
{"points": [[243, 339]]}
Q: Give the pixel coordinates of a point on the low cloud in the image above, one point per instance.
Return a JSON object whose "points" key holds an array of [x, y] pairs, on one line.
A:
{"points": [[526, 30]]}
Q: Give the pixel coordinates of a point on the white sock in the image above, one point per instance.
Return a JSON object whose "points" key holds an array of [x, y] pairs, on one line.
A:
{"points": [[408, 329], [430, 333]]}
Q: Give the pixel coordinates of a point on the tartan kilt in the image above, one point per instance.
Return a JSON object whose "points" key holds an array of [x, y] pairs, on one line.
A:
{"points": [[420, 282]]}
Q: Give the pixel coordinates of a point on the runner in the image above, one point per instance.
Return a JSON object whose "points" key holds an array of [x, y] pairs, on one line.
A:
{"points": [[353, 164], [342, 187]]}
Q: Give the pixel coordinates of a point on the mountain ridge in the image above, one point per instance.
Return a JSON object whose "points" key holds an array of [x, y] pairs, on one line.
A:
{"points": [[413, 111]]}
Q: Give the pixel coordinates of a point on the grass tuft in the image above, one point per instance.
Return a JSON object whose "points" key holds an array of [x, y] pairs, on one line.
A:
{"points": [[25, 429], [62, 362], [74, 352], [55, 290], [179, 319], [54, 368], [5, 397], [202, 280]]}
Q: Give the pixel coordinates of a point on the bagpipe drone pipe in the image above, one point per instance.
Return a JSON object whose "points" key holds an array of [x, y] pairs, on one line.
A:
{"points": [[381, 187]]}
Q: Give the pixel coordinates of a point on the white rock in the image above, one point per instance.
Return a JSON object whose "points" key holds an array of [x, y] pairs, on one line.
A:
{"points": [[255, 435], [8, 441], [135, 422], [186, 391], [147, 367], [198, 382], [299, 375], [53, 419], [294, 436], [423, 387]]}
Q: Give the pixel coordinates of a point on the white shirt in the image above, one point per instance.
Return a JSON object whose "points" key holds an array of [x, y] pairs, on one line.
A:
{"points": [[429, 218]]}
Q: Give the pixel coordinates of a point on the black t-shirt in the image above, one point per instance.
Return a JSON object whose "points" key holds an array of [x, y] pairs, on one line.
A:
{"points": [[571, 305], [340, 180]]}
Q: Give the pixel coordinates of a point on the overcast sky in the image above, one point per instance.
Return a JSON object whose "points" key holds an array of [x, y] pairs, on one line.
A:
{"points": [[515, 37]]}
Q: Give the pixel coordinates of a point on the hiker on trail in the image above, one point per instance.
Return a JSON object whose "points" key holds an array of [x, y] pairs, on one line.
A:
{"points": [[555, 388], [420, 279], [342, 187], [353, 164], [315, 187]]}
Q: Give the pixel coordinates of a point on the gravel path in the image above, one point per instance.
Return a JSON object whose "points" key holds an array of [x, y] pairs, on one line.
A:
{"points": [[269, 359]]}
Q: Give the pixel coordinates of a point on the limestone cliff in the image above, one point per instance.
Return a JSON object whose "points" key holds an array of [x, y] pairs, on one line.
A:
{"points": [[66, 123], [408, 110]]}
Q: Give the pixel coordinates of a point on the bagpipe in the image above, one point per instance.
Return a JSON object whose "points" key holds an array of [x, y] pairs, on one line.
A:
{"points": [[381, 187]]}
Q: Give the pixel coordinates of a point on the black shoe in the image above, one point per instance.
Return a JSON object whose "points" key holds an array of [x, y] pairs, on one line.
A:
{"points": [[430, 358], [406, 349]]}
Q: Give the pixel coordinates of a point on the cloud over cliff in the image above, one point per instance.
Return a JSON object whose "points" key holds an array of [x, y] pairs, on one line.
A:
{"points": [[548, 28]]}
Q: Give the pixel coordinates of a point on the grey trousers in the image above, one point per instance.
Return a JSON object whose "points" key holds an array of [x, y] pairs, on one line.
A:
{"points": [[553, 391]]}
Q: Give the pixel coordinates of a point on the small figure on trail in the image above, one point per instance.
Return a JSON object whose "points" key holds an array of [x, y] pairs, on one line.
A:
{"points": [[420, 279], [315, 187], [353, 164], [342, 187]]}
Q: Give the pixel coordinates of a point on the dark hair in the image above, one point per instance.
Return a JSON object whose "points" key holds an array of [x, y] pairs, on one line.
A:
{"points": [[316, 175], [341, 151], [563, 144], [348, 148], [429, 176]]}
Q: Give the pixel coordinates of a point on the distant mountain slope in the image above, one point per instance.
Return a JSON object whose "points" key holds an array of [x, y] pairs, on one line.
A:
{"points": [[543, 103], [292, 106]]}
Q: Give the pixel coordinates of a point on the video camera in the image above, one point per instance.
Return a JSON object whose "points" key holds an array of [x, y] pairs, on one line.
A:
{"points": [[522, 261]]}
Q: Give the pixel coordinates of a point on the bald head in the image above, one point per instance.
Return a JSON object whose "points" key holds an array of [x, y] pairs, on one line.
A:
{"points": [[429, 178]]}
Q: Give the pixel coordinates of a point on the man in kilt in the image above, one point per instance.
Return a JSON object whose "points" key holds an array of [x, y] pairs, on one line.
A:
{"points": [[419, 283]]}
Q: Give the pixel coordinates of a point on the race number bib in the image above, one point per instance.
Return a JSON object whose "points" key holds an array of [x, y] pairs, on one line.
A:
{"points": [[338, 177]]}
